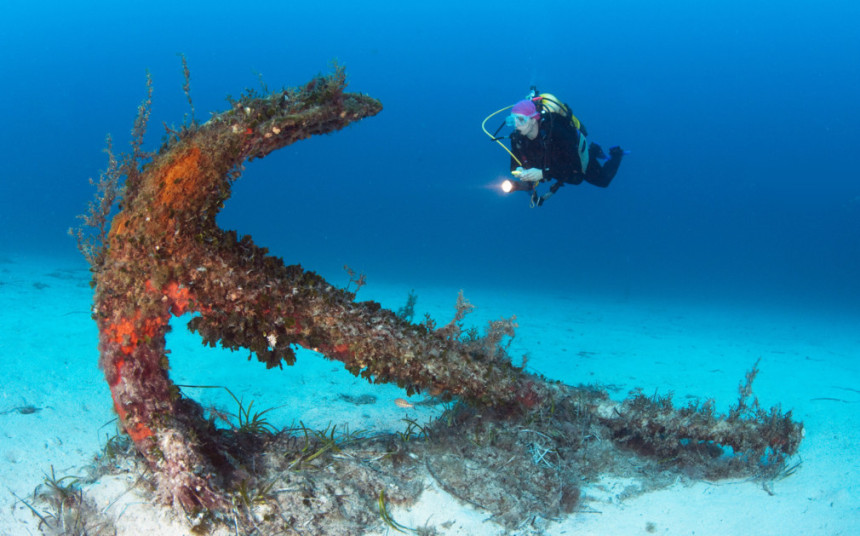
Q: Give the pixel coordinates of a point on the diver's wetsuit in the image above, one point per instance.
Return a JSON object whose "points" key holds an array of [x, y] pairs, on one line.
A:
{"points": [[554, 151]]}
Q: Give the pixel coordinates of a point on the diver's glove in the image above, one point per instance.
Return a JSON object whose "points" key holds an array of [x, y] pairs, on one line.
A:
{"points": [[529, 175]]}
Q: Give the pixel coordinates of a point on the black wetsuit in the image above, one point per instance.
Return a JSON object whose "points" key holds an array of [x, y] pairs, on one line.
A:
{"points": [[554, 151]]}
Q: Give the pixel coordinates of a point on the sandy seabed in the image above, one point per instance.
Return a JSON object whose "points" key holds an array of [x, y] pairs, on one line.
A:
{"points": [[55, 409]]}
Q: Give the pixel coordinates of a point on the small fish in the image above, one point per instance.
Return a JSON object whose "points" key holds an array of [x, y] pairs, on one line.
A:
{"points": [[23, 410], [403, 403]]}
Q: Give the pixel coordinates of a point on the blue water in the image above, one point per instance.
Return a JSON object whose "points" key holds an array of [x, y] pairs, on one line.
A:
{"points": [[731, 232], [741, 119]]}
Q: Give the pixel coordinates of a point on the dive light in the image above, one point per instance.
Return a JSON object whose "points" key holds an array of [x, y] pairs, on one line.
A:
{"points": [[507, 184]]}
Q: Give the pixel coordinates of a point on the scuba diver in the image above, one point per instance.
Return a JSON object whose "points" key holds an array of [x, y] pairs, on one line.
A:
{"points": [[549, 143]]}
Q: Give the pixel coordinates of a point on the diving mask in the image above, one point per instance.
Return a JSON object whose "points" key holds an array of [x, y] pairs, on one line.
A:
{"points": [[516, 120]]}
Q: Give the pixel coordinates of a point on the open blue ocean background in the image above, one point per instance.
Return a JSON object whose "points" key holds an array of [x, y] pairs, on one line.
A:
{"points": [[741, 119]]}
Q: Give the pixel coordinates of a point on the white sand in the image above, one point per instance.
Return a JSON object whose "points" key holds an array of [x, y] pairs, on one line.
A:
{"points": [[49, 357]]}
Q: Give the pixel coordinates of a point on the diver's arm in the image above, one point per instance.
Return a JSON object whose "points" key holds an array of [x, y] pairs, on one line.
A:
{"points": [[530, 175], [518, 169]]}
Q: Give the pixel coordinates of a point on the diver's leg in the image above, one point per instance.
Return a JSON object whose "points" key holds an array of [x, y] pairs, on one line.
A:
{"points": [[602, 175], [610, 168]]}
